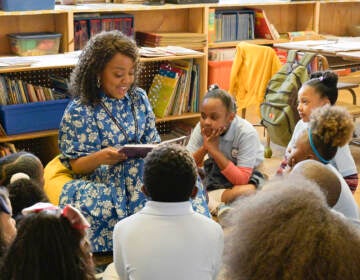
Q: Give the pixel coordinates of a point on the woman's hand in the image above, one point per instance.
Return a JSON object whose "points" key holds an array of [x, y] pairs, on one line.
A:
{"points": [[111, 155], [106, 156]]}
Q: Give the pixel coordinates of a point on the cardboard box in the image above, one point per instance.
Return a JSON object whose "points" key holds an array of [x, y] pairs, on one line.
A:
{"points": [[27, 44], [37, 116], [26, 5], [219, 73]]}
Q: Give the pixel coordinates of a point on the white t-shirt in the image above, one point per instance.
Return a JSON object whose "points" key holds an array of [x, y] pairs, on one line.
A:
{"points": [[168, 241], [346, 203], [343, 160], [241, 143]]}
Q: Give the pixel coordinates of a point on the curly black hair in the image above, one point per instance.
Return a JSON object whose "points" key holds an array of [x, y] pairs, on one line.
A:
{"points": [[99, 50], [331, 127], [325, 84], [169, 173], [216, 92]]}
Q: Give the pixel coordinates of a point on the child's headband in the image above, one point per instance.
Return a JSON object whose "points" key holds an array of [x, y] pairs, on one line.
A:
{"points": [[313, 148], [18, 176], [76, 219]]}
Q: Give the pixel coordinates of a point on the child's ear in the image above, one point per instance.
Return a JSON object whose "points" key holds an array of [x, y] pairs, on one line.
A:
{"points": [[144, 190], [194, 192], [310, 156]]}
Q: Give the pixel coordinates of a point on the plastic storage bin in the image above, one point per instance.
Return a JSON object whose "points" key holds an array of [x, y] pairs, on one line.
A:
{"points": [[26, 5], [37, 116], [25, 44], [219, 73]]}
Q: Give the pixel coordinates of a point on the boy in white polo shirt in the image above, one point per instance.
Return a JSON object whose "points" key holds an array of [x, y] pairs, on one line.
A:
{"points": [[167, 239]]}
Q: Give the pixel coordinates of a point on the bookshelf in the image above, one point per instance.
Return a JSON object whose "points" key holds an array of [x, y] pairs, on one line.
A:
{"points": [[284, 15]]}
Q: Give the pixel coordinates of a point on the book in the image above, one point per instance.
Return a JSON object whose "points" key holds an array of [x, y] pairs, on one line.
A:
{"points": [[211, 26], [141, 150], [263, 28], [161, 94]]}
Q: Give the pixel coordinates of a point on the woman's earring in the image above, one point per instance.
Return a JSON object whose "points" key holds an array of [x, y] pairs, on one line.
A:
{"points": [[98, 84]]}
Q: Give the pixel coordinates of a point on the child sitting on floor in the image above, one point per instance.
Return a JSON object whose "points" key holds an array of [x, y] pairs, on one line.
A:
{"points": [[330, 127], [232, 146], [322, 90], [22, 174], [51, 244], [167, 232]]}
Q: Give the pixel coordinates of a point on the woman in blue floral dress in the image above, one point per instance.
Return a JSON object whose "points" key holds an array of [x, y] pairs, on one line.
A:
{"points": [[107, 111]]}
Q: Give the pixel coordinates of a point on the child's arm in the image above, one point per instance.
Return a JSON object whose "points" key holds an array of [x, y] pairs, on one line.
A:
{"points": [[352, 181]]}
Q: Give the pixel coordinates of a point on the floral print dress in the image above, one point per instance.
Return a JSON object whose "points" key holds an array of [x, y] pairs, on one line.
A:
{"points": [[111, 192]]}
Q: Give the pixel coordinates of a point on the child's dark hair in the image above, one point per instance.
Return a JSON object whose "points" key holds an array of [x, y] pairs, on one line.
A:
{"points": [[324, 83], [216, 92], [47, 245], [24, 162], [24, 193], [330, 127], [169, 173]]}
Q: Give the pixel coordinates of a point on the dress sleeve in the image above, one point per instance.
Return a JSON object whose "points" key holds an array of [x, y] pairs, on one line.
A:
{"points": [[78, 133]]}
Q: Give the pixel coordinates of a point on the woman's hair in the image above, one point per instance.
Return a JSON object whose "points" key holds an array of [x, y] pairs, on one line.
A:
{"points": [[330, 127], [324, 83], [98, 51], [47, 247], [23, 162], [169, 173], [287, 231], [3, 243], [226, 99]]}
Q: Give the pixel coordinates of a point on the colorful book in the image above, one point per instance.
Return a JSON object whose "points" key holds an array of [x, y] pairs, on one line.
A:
{"points": [[211, 28], [263, 27], [161, 94]]}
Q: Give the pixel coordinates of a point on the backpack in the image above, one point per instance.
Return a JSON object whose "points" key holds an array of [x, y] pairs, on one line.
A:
{"points": [[279, 110]]}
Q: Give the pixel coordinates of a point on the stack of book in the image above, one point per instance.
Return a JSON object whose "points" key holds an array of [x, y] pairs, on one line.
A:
{"points": [[163, 39], [20, 92], [175, 89], [87, 25]]}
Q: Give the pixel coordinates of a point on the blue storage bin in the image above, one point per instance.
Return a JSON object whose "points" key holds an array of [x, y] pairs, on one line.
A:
{"points": [[37, 116], [26, 5]]}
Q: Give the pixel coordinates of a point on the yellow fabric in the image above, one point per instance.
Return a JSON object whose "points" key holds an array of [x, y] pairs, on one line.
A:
{"points": [[55, 177], [253, 67]]}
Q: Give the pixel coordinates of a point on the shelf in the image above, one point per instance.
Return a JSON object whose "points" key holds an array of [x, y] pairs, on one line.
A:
{"points": [[255, 41], [67, 60], [54, 132], [30, 135], [180, 117]]}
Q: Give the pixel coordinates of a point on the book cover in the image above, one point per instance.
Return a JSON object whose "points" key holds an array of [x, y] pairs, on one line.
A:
{"points": [[161, 94], [141, 150], [262, 25]]}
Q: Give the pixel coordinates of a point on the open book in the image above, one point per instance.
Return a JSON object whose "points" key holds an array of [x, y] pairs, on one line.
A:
{"points": [[141, 150]]}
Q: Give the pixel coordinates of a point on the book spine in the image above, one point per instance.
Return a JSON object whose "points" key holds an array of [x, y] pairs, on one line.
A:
{"points": [[212, 30]]}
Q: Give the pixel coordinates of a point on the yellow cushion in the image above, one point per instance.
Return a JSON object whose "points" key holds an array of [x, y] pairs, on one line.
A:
{"points": [[55, 177]]}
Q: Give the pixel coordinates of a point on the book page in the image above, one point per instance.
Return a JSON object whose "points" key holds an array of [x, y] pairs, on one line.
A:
{"points": [[141, 150]]}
